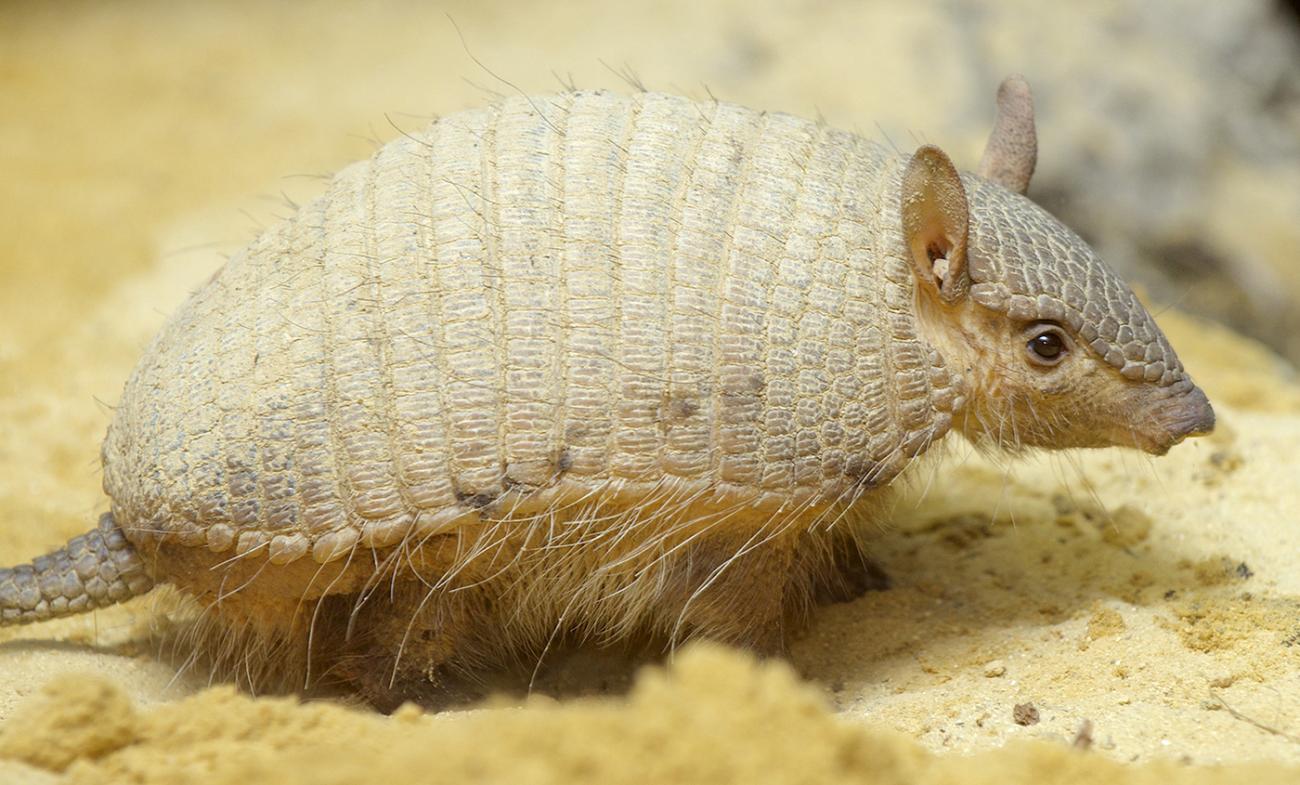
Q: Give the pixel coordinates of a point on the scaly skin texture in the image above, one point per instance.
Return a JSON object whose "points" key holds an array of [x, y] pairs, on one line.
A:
{"points": [[97, 569], [571, 292], [595, 365], [1022, 265]]}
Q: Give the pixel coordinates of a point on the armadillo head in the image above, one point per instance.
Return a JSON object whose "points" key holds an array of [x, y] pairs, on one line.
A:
{"points": [[1054, 349]]}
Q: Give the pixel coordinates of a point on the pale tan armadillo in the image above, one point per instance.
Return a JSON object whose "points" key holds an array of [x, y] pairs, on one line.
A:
{"points": [[596, 365]]}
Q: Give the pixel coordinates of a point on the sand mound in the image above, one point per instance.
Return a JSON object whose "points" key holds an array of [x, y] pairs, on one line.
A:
{"points": [[714, 717]]}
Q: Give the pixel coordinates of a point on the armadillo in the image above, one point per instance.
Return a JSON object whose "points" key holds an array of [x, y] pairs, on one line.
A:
{"points": [[599, 366]]}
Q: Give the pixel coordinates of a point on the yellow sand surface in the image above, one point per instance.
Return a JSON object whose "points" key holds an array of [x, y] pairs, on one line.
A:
{"points": [[1147, 610]]}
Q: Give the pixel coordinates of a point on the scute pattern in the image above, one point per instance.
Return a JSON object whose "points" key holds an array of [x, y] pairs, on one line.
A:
{"points": [[95, 570], [1028, 265], [586, 291]]}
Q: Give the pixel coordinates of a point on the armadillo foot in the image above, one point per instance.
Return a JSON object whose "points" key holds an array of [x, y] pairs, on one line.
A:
{"points": [[406, 646]]}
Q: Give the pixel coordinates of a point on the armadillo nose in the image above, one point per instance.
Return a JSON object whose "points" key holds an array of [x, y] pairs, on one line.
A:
{"points": [[1188, 415], [1196, 416]]}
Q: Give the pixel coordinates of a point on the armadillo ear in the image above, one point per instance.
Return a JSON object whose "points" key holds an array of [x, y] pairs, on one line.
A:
{"points": [[1012, 149], [935, 220]]}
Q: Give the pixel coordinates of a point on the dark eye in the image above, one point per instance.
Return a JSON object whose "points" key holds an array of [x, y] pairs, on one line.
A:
{"points": [[1047, 347]]}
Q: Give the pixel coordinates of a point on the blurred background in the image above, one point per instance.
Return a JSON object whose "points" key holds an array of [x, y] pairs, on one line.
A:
{"points": [[1169, 129]]}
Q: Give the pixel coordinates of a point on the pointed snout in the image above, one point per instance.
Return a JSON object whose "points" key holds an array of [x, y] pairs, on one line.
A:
{"points": [[1184, 415]]}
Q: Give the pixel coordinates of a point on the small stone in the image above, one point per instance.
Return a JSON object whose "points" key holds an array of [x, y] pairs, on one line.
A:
{"points": [[995, 669], [1025, 714]]}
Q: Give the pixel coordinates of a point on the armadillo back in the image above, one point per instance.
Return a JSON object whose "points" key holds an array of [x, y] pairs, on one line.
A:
{"points": [[578, 294]]}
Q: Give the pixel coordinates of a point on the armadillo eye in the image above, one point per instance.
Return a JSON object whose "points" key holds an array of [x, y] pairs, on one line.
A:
{"points": [[1047, 347]]}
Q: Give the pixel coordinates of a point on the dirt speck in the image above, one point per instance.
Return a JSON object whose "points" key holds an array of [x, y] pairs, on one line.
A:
{"points": [[1025, 714]]}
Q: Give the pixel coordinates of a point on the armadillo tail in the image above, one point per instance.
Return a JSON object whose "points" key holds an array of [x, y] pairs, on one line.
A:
{"points": [[97, 569]]}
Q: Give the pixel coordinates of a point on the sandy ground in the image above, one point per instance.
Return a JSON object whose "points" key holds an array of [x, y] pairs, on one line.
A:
{"points": [[1155, 601]]}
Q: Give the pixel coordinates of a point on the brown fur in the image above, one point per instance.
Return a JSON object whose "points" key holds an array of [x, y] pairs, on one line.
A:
{"points": [[414, 621]]}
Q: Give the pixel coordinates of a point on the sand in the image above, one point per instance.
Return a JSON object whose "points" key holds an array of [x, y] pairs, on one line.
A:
{"points": [[715, 717], [1154, 601]]}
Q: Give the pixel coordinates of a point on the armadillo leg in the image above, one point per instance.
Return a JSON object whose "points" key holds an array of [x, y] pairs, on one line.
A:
{"points": [[732, 588], [403, 644], [97, 569]]}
